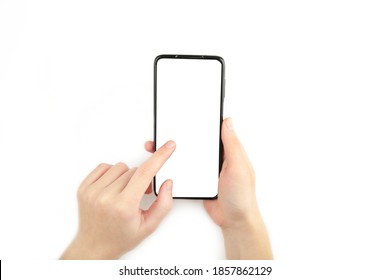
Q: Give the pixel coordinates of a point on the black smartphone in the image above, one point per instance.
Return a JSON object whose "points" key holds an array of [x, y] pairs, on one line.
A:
{"points": [[188, 108]]}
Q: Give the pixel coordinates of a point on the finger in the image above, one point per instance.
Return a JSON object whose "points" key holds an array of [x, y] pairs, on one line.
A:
{"points": [[211, 207], [96, 174], [145, 173], [119, 184], [111, 175], [149, 146], [159, 209], [149, 189], [234, 152]]}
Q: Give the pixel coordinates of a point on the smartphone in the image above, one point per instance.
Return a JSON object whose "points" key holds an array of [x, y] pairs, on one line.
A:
{"points": [[188, 107]]}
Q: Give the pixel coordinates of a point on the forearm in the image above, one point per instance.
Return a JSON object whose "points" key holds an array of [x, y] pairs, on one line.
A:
{"points": [[249, 242]]}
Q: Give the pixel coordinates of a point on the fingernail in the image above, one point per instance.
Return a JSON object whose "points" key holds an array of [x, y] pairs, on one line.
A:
{"points": [[170, 144], [229, 123]]}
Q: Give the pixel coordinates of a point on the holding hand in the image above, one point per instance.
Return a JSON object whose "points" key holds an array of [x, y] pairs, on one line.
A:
{"points": [[236, 210]]}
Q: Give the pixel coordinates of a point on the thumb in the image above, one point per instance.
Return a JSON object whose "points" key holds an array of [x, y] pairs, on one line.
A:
{"points": [[160, 208], [233, 150]]}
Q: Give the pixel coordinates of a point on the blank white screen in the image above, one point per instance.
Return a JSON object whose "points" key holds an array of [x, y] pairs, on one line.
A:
{"points": [[188, 101]]}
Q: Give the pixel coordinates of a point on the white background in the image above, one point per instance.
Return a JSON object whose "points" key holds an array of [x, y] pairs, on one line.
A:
{"points": [[307, 86]]}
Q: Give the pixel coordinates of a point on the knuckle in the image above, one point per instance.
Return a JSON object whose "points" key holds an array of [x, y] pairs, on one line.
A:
{"points": [[122, 166], [104, 165], [103, 203]]}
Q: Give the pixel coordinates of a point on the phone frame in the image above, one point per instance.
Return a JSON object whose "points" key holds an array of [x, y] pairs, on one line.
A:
{"points": [[222, 97]]}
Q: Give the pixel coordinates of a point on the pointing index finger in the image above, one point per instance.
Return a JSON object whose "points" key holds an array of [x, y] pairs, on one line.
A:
{"points": [[145, 173]]}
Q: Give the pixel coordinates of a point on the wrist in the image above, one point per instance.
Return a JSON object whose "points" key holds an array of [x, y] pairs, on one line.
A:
{"points": [[245, 220], [247, 239], [84, 249], [243, 226]]}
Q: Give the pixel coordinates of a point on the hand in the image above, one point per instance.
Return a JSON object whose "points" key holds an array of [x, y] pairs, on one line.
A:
{"points": [[110, 219], [236, 205], [236, 210]]}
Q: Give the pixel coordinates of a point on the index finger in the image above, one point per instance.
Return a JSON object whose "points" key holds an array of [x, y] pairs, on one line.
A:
{"points": [[145, 173]]}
